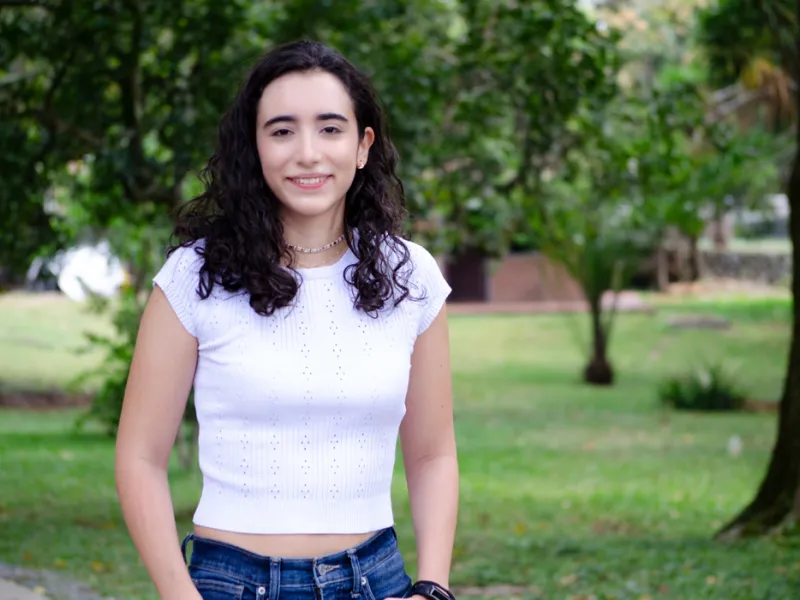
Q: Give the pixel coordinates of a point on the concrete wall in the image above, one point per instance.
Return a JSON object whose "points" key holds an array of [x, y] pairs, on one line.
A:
{"points": [[531, 278], [528, 277], [769, 268]]}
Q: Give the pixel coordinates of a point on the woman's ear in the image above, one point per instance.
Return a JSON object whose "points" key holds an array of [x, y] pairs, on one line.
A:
{"points": [[363, 147]]}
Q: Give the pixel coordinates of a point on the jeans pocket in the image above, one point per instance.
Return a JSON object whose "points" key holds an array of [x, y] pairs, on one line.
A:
{"points": [[387, 581], [216, 586]]}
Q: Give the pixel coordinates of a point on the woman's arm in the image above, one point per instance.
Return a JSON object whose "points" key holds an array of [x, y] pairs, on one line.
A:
{"points": [[429, 452], [158, 387]]}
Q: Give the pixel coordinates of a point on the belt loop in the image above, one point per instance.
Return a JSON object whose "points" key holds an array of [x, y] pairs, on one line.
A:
{"points": [[351, 554], [183, 545], [274, 578]]}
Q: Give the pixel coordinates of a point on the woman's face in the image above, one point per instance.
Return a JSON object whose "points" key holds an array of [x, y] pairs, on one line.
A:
{"points": [[308, 145]]}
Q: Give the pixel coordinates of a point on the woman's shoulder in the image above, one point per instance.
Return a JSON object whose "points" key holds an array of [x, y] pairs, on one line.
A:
{"points": [[426, 282], [190, 251], [184, 260], [417, 263], [412, 255], [178, 278]]}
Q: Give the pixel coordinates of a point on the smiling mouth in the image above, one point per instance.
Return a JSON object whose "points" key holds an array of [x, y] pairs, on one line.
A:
{"points": [[310, 183]]}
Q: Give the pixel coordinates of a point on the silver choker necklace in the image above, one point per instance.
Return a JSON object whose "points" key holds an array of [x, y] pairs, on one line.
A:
{"points": [[338, 240]]}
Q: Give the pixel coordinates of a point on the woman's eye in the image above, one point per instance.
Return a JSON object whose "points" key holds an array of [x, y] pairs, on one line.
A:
{"points": [[280, 132], [331, 129]]}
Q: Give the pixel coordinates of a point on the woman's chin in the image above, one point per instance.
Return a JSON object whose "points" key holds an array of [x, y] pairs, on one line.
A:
{"points": [[310, 207]]}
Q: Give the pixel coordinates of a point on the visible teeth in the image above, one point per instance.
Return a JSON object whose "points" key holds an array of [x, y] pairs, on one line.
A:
{"points": [[312, 181]]}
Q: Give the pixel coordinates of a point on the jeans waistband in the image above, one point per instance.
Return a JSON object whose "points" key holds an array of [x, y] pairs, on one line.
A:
{"points": [[254, 568]]}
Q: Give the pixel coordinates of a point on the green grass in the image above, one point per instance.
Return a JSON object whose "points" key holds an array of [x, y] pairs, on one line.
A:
{"points": [[582, 493], [42, 342], [759, 245]]}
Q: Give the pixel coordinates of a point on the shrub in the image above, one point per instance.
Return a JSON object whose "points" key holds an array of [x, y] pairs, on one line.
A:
{"points": [[112, 372], [705, 389]]}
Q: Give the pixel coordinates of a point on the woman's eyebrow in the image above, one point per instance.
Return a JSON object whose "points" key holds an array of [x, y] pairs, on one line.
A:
{"points": [[292, 119]]}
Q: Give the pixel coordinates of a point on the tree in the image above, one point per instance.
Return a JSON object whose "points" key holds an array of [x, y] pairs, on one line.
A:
{"points": [[120, 100], [593, 216], [110, 108], [758, 31], [712, 162], [525, 69]]}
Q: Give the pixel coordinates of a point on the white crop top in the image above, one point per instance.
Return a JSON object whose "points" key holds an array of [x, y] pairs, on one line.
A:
{"points": [[299, 412]]}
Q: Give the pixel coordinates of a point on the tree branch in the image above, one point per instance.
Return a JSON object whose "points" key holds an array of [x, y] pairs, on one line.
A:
{"points": [[52, 120], [726, 93], [523, 124], [734, 105], [62, 126], [131, 93]]}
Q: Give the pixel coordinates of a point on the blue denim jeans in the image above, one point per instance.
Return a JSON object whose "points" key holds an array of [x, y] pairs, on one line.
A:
{"points": [[374, 570]]}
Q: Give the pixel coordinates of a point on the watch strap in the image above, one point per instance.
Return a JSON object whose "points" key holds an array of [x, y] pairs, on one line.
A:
{"points": [[431, 590]]}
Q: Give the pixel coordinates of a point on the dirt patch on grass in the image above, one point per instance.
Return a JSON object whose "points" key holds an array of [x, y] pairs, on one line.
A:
{"points": [[43, 400], [761, 406], [507, 592]]}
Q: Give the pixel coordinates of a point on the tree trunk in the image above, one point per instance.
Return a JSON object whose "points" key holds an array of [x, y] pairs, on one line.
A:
{"points": [[718, 232], [662, 267], [695, 260], [780, 489], [599, 370]]}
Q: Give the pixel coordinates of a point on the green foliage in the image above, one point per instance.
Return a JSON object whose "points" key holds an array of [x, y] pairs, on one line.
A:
{"points": [[500, 113], [704, 389], [513, 107], [110, 107], [734, 32], [476, 110], [113, 370], [478, 95]]}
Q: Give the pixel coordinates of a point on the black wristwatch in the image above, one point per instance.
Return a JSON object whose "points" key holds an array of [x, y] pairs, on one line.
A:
{"points": [[431, 590]]}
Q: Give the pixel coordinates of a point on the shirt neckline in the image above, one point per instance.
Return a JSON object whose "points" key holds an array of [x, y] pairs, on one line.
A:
{"points": [[328, 270]]}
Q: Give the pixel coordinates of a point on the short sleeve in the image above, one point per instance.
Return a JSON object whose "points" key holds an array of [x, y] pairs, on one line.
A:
{"points": [[178, 279], [430, 283]]}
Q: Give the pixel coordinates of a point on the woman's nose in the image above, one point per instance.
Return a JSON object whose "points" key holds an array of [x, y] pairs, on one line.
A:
{"points": [[308, 152]]}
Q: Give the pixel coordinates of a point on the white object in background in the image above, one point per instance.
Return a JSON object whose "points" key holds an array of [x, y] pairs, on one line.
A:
{"points": [[735, 445], [89, 269]]}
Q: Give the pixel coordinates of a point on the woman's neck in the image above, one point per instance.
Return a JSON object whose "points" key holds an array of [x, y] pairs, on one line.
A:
{"points": [[312, 232], [314, 244]]}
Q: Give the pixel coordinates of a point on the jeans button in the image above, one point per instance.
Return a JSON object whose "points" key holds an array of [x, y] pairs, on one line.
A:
{"points": [[261, 590]]}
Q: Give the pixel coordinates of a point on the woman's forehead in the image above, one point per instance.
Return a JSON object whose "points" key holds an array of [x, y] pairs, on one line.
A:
{"points": [[305, 95]]}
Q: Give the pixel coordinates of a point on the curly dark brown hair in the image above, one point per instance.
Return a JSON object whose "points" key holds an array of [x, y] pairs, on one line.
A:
{"points": [[237, 216]]}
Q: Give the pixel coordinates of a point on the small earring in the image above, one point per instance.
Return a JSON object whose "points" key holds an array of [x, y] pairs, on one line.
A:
{"points": [[361, 164]]}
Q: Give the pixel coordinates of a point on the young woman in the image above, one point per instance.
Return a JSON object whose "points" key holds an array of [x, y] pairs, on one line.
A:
{"points": [[312, 335]]}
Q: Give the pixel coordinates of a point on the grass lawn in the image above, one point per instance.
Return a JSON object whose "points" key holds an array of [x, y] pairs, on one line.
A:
{"points": [[42, 343], [576, 493]]}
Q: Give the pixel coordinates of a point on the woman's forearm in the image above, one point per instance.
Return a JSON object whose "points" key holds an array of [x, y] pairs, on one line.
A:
{"points": [[146, 503], [433, 494]]}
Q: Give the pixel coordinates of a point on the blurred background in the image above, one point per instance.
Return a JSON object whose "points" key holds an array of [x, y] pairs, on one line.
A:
{"points": [[607, 187]]}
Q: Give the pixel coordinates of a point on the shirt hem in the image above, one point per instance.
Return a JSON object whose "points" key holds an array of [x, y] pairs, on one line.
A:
{"points": [[349, 517]]}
